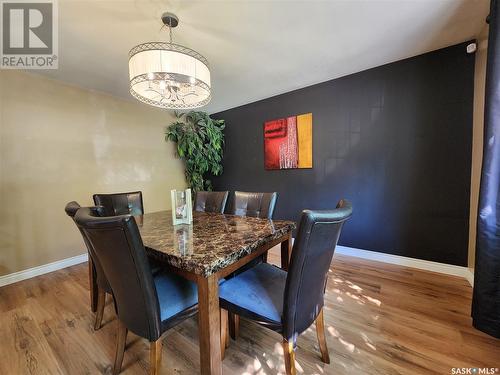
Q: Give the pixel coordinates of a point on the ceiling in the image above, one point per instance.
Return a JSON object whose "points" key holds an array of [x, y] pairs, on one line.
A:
{"points": [[257, 49]]}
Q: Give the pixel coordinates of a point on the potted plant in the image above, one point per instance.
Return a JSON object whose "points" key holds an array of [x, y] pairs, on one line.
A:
{"points": [[200, 141]]}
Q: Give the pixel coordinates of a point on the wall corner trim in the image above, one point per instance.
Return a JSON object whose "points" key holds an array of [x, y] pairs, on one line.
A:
{"points": [[43, 269], [427, 265], [469, 275]]}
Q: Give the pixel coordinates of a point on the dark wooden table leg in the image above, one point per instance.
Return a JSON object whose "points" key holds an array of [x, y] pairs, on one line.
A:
{"points": [[286, 252], [209, 325], [234, 325], [224, 335], [92, 286]]}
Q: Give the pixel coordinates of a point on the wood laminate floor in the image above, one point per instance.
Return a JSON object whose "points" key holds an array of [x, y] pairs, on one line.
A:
{"points": [[380, 319]]}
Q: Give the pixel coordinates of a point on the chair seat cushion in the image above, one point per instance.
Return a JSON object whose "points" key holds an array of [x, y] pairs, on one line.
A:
{"points": [[256, 293], [175, 294]]}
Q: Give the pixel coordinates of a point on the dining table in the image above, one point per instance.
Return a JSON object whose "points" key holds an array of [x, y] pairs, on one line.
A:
{"points": [[213, 247]]}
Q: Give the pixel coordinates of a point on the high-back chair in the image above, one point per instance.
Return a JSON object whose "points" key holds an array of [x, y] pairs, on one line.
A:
{"points": [[146, 304], [253, 204], [211, 201], [115, 204], [120, 203], [290, 302], [99, 285]]}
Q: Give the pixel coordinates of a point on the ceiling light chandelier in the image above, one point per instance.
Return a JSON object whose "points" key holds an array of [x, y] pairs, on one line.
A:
{"points": [[169, 75]]}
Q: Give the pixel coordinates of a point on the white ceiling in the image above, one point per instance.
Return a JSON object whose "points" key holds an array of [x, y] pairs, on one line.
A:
{"points": [[257, 49]]}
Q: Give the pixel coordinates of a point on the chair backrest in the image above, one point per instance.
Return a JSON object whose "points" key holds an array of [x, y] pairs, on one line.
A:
{"points": [[253, 204], [211, 201], [71, 210], [312, 255], [120, 203], [118, 245]]}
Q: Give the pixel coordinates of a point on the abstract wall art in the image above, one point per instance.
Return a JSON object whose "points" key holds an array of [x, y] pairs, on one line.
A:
{"points": [[288, 142]]}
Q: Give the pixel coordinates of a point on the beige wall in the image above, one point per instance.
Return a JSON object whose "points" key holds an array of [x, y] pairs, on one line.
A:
{"points": [[60, 143], [477, 138]]}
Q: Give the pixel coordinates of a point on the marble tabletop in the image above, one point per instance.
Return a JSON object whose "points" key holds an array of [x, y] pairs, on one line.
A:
{"points": [[211, 243]]}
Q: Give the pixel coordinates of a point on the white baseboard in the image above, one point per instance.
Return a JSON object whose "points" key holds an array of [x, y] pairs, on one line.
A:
{"points": [[40, 270], [469, 275], [427, 265]]}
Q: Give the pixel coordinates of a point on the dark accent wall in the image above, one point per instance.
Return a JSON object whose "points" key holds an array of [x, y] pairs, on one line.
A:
{"points": [[396, 140]]}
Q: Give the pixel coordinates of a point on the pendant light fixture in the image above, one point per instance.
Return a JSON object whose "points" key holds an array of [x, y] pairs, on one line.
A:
{"points": [[169, 75]]}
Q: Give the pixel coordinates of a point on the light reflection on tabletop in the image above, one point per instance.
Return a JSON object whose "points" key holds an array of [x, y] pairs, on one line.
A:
{"points": [[212, 242]]}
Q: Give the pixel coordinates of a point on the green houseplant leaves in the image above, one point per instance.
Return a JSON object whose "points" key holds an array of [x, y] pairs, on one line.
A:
{"points": [[200, 141]]}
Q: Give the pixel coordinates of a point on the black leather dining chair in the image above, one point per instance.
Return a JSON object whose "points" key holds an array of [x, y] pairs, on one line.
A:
{"points": [[147, 304], [120, 203], [96, 274], [131, 202], [260, 205], [253, 204], [289, 303], [211, 201]]}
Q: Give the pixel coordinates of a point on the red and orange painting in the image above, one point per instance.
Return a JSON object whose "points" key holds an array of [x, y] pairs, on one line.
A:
{"points": [[288, 142]]}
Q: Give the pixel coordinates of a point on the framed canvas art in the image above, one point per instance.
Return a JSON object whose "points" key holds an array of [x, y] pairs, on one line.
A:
{"points": [[288, 142]]}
